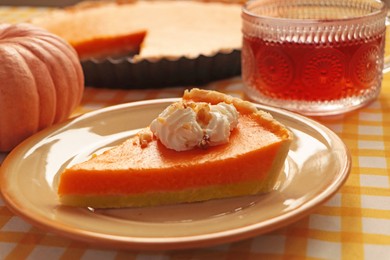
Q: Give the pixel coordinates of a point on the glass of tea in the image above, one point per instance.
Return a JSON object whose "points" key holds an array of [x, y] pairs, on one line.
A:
{"points": [[315, 57]]}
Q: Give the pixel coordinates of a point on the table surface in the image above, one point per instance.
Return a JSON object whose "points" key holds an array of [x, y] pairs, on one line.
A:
{"points": [[353, 224]]}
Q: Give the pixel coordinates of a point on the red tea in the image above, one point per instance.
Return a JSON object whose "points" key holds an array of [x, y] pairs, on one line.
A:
{"points": [[310, 71]]}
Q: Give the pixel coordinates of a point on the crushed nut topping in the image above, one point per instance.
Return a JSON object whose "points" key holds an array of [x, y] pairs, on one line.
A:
{"points": [[202, 111], [145, 136], [204, 143]]}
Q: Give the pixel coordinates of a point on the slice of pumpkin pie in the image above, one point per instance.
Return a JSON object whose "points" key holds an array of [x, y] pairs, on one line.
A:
{"points": [[207, 146]]}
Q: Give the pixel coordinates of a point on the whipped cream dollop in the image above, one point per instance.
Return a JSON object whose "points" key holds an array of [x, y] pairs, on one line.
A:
{"points": [[185, 125]]}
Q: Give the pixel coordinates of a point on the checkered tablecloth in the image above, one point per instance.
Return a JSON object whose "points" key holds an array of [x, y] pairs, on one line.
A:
{"points": [[354, 224]]}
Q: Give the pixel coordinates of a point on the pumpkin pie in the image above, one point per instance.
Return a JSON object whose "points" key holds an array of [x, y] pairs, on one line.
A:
{"points": [[153, 29], [151, 44], [207, 146]]}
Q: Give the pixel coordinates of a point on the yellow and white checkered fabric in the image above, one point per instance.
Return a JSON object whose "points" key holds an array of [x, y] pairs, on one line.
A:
{"points": [[354, 224]]}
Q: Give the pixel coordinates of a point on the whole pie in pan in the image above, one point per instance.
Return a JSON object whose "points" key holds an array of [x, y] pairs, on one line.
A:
{"points": [[151, 43]]}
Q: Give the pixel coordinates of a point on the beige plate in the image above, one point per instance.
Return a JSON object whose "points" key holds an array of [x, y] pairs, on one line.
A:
{"points": [[317, 165]]}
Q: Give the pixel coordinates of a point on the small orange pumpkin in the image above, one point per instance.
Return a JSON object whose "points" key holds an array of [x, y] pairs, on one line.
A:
{"points": [[41, 82]]}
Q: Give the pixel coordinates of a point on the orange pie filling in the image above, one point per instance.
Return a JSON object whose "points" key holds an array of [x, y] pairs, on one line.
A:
{"points": [[138, 173], [110, 46]]}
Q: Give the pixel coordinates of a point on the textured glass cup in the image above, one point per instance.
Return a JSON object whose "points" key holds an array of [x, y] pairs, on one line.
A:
{"points": [[315, 57]]}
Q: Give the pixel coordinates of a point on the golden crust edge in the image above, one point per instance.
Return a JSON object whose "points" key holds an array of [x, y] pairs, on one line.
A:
{"points": [[172, 197], [90, 4], [243, 106]]}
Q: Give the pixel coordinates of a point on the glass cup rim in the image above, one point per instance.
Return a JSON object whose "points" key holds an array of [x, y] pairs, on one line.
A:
{"points": [[382, 11]]}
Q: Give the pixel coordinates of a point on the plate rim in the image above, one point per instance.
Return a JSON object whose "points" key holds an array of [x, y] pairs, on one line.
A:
{"points": [[182, 242]]}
